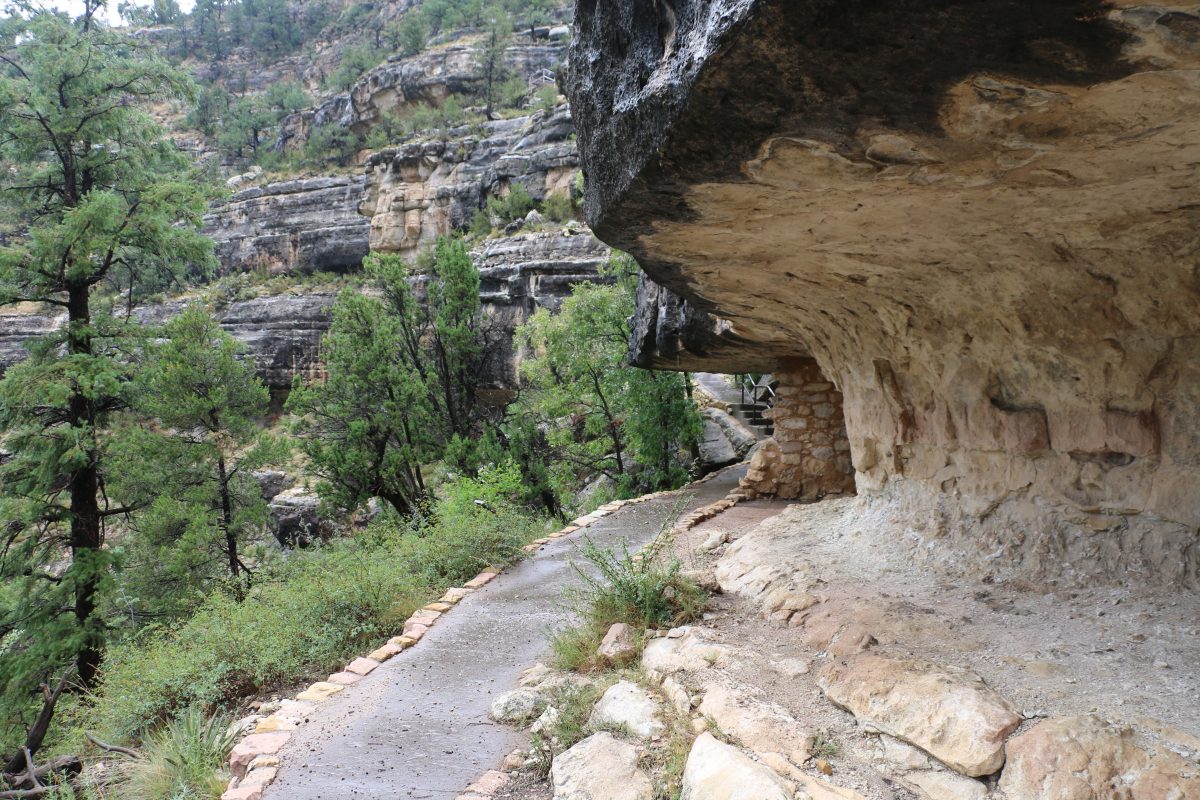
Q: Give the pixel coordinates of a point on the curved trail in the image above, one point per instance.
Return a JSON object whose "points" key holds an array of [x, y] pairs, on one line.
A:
{"points": [[418, 726]]}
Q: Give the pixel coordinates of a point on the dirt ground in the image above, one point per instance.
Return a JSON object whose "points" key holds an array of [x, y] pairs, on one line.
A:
{"points": [[1126, 656]]}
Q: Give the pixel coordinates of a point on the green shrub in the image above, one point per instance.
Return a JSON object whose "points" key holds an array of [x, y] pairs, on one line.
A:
{"points": [[183, 760], [317, 609], [513, 206], [558, 207], [481, 223], [642, 593]]}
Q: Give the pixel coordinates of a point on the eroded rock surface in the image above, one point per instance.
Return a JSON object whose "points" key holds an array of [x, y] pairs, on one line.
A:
{"points": [[627, 705], [949, 713], [299, 226], [424, 189], [601, 767], [1081, 758], [978, 218]]}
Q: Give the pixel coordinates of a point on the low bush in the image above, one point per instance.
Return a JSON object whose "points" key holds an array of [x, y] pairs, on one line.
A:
{"points": [[316, 610], [642, 593]]}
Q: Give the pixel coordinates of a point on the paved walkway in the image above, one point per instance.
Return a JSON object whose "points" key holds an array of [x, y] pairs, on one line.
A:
{"points": [[418, 726]]}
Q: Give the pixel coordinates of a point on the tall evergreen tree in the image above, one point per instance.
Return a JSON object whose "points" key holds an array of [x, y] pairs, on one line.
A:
{"points": [[193, 470], [107, 203], [401, 384]]}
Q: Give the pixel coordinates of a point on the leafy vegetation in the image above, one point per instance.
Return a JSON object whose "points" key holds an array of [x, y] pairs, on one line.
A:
{"points": [[642, 593], [142, 595], [108, 202], [310, 613], [183, 760], [401, 383], [602, 416]]}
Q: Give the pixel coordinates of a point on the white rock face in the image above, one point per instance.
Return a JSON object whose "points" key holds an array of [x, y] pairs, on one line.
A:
{"points": [[763, 727], [601, 767], [687, 648], [629, 705], [546, 721], [717, 771], [950, 713], [516, 706], [940, 785]]}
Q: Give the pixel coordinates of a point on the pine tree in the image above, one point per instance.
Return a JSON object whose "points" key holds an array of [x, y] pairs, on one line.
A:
{"points": [[401, 384], [108, 204], [192, 470]]}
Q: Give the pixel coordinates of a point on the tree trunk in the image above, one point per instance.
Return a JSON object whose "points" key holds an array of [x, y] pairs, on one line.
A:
{"points": [[86, 534], [227, 519]]}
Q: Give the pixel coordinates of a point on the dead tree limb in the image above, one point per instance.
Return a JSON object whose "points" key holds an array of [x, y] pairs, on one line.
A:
{"points": [[36, 734], [112, 748]]}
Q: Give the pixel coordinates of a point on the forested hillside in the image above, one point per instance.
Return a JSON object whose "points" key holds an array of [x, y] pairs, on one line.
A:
{"points": [[197, 514]]}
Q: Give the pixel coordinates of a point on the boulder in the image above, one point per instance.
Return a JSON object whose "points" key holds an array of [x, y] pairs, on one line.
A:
{"points": [[601, 767], [717, 771], [948, 712], [942, 785], [628, 706], [1088, 758], [686, 648], [618, 646], [758, 725], [296, 518], [517, 706]]}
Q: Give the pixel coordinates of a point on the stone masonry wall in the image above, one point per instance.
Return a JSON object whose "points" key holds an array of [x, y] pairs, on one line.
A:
{"points": [[809, 457]]}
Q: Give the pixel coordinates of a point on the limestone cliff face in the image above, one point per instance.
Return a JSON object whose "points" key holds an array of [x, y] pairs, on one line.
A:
{"points": [[396, 86], [425, 189], [304, 225], [979, 218]]}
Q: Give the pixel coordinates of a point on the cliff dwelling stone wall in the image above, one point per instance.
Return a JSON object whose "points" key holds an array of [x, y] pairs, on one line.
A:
{"points": [[809, 455]]}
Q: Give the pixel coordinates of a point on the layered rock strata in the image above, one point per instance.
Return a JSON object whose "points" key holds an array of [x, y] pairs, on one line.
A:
{"points": [[978, 218], [399, 85], [425, 189], [298, 226]]}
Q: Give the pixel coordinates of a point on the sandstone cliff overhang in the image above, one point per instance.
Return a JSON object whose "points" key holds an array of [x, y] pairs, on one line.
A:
{"points": [[980, 218]]}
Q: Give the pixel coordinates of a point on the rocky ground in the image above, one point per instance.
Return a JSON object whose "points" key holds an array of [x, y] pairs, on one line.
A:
{"points": [[830, 665]]}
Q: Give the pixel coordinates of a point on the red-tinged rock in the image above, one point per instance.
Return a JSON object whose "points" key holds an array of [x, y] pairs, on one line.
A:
{"points": [[258, 744], [344, 678], [489, 783], [362, 666]]}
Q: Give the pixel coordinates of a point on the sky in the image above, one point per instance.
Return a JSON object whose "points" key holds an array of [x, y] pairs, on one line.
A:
{"points": [[110, 13]]}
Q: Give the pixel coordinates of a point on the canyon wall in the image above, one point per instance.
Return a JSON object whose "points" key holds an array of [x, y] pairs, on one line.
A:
{"points": [[981, 221], [429, 188], [297, 226]]}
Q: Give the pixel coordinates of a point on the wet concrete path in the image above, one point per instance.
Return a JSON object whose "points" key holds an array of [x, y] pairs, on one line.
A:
{"points": [[418, 726]]}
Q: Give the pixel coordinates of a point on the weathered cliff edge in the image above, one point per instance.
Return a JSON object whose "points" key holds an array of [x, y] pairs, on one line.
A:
{"points": [[980, 219], [298, 226]]}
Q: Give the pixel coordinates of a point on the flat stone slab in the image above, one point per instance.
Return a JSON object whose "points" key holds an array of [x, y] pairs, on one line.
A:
{"points": [[345, 678], [482, 579], [386, 651], [950, 713], [362, 666], [319, 692], [256, 744]]}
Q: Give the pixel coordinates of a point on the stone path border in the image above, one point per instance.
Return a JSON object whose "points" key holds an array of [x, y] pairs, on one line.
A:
{"points": [[254, 760], [492, 781]]}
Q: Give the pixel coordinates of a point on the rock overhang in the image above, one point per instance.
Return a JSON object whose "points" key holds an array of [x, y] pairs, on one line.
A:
{"points": [[979, 217]]}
